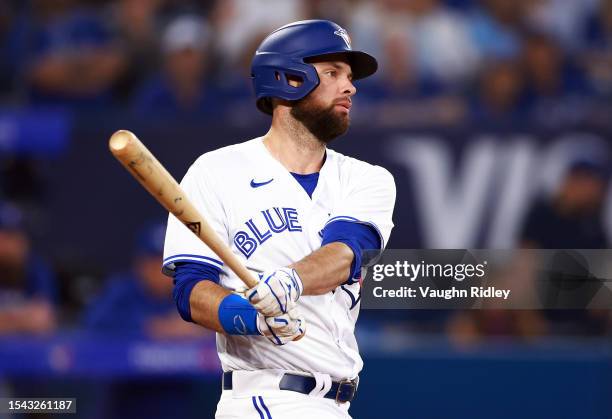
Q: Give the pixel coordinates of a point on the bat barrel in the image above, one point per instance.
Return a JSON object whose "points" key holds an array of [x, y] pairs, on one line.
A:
{"points": [[139, 161]]}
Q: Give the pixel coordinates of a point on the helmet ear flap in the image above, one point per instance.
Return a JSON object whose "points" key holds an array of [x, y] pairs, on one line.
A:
{"points": [[283, 79], [265, 104]]}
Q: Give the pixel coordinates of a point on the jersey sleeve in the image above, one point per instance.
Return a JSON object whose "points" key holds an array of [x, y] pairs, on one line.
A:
{"points": [[358, 237], [181, 245], [369, 199]]}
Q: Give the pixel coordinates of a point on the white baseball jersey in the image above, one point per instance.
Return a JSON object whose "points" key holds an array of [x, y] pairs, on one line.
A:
{"points": [[260, 210]]}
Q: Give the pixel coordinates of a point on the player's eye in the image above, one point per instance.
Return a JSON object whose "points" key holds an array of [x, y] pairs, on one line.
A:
{"points": [[331, 73]]}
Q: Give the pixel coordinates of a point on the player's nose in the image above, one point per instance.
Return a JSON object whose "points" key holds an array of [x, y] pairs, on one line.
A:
{"points": [[348, 87]]}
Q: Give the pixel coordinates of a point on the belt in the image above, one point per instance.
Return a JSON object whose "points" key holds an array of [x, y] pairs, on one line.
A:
{"points": [[340, 391]]}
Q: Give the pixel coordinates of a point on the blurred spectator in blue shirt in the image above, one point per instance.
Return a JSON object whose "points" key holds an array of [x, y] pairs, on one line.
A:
{"points": [[498, 96], [238, 24], [399, 94], [27, 285], [15, 28], [552, 81], [399, 78], [545, 65], [443, 46], [139, 302], [597, 58], [440, 44], [563, 20], [572, 218], [135, 23], [495, 29], [75, 60], [182, 86]]}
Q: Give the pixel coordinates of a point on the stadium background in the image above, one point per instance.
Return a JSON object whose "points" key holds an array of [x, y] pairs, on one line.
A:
{"points": [[493, 116]]}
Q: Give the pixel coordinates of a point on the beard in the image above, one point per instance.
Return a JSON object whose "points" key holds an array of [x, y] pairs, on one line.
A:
{"points": [[322, 121]]}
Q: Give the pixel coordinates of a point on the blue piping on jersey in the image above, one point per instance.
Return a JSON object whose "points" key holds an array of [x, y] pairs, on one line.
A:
{"points": [[353, 300], [195, 256], [261, 416], [265, 407], [189, 258]]}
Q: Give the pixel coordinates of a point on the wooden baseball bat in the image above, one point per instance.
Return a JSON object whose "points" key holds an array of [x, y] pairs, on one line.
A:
{"points": [[139, 161]]}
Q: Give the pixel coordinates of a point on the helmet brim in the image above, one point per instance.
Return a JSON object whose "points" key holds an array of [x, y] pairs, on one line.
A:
{"points": [[362, 64]]}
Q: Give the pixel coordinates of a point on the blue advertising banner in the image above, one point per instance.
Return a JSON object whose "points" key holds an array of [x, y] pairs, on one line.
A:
{"points": [[39, 133]]}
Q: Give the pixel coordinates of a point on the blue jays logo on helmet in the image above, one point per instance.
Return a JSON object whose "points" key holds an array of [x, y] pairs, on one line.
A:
{"points": [[286, 51], [342, 33]]}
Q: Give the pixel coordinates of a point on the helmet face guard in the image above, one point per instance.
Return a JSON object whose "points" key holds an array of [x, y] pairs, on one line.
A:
{"points": [[285, 53]]}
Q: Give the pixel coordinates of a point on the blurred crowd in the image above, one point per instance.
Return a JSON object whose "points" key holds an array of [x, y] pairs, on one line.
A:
{"points": [[449, 60], [134, 301]]}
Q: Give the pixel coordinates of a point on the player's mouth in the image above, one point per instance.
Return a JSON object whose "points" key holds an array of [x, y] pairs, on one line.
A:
{"points": [[344, 104]]}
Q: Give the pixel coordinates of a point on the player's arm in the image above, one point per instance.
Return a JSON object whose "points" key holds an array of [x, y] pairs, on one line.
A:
{"points": [[204, 301], [340, 258], [325, 269], [201, 300], [336, 262], [199, 297]]}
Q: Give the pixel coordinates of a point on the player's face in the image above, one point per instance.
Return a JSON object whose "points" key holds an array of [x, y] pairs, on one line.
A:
{"points": [[326, 110]]}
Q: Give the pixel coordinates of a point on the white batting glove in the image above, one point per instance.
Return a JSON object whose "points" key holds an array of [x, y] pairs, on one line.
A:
{"points": [[277, 292], [281, 330]]}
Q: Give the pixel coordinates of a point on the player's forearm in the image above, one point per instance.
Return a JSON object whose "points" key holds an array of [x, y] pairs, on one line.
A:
{"points": [[204, 303], [325, 269]]}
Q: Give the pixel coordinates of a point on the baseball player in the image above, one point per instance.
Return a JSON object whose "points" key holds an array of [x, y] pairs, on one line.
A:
{"points": [[298, 214]]}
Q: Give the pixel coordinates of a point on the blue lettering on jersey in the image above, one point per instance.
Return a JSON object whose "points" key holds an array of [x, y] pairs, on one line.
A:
{"points": [[245, 244], [274, 226], [291, 216], [261, 237], [275, 220]]}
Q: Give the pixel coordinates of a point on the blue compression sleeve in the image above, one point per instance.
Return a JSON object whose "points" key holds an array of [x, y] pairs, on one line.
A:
{"points": [[186, 276], [238, 316], [357, 236]]}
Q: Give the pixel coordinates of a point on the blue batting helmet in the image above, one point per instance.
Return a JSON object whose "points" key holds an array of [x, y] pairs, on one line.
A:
{"points": [[286, 51]]}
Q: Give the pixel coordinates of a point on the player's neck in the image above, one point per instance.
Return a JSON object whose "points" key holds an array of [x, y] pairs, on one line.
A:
{"points": [[295, 147]]}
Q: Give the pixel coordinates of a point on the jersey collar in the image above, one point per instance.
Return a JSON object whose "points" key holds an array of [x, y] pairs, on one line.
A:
{"points": [[277, 169]]}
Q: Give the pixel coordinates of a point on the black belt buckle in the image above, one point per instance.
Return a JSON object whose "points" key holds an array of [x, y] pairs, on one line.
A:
{"points": [[346, 391]]}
